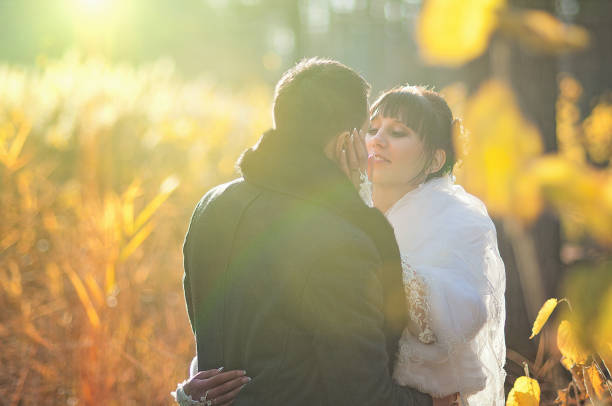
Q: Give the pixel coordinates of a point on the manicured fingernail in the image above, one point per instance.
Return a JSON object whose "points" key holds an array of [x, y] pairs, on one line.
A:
{"points": [[246, 379], [220, 369]]}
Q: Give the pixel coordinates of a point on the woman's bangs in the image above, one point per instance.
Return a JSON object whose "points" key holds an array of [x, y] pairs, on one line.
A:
{"points": [[405, 107]]}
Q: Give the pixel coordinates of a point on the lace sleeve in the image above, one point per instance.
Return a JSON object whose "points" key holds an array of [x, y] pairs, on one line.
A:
{"points": [[365, 190], [418, 305]]}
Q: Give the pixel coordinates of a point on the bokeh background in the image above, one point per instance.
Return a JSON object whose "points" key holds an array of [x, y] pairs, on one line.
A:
{"points": [[116, 116]]}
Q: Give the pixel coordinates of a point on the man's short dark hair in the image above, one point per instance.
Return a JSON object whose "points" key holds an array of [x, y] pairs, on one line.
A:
{"points": [[319, 98]]}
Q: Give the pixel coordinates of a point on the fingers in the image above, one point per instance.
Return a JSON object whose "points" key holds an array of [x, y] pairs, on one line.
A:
{"points": [[361, 150], [343, 162], [357, 156], [339, 145], [228, 387], [228, 397], [353, 160], [221, 378], [208, 373], [198, 387], [341, 159], [194, 385]]}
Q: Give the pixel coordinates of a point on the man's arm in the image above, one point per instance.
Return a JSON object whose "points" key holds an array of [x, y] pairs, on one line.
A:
{"points": [[187, 284], [343, 306]]}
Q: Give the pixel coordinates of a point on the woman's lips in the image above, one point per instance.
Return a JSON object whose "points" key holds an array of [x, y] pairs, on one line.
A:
{"points": [[378, 159]]}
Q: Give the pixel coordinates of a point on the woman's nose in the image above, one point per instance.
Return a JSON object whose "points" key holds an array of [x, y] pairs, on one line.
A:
{"points": [[377, 139]]}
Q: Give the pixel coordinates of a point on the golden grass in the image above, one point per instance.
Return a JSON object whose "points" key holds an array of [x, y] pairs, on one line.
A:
{"points": [[101, 167]]}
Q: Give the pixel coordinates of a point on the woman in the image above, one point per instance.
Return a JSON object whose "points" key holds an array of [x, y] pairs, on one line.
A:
{"points": [[453, 274], [453, 345]]}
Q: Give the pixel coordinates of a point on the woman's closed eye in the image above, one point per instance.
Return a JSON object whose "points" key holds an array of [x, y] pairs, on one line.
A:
{"points": [[373, 131], [398, 134]]}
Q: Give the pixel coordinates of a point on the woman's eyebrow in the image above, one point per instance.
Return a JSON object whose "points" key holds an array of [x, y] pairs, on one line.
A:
{"points": [[398, 121]]}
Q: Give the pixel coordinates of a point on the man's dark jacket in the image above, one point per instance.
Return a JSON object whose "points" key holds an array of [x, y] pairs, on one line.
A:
{"points": [[290, 276]]}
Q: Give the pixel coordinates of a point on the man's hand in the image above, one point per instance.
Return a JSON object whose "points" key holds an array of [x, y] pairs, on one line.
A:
{"points": [[221, 388], [450, 400]]}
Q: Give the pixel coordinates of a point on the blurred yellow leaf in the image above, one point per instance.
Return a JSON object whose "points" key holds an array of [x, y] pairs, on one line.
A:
{"points": [[567, 363], [589, 288], [545, 311], [568, 345], [542, 32], [605, 352], [50, 221], [525, 392], [580, 190], [128, 206], [94, 319], [500, 147], [94, 288], [55, 282], [110, 281], [13, 285], [9, 238], [11, 157], [453, 32], [603, 328], [166, 188], [598, 133], [567, 115], [594, 383], [22, 135], [135, 242]]}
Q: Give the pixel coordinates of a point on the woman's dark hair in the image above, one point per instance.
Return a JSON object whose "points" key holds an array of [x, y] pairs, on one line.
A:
{"points": [[318, 99], [428, 114]]}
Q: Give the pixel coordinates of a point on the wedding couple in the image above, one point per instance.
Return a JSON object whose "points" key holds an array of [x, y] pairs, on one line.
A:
{"points": [[308, 296]]}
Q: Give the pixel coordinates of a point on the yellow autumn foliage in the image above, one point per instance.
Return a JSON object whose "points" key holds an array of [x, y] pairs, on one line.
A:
{"points": [[597, 129], [545, 311], [568, 344], [581, 193], [496, 151], [452, 32], [101, 167], [542, 32], [525, 392], [603, 328], [595, 382]]}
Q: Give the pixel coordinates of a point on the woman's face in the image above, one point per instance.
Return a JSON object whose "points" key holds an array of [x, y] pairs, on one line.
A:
{"points": [[396, 151]]}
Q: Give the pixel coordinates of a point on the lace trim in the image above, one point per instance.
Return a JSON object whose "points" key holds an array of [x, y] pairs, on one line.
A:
{"points": [[184, 399], [418, 305], [365, 190]]}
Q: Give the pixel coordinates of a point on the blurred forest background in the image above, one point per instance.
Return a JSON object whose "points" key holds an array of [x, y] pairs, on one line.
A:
{"points": [[116, 116]]}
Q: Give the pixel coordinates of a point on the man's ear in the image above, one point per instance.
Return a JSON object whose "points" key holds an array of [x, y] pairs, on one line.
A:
{"points": [[438, 161]]}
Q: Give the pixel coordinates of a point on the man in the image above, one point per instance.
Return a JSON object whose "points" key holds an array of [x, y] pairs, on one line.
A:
{"points": [[288, 274]]}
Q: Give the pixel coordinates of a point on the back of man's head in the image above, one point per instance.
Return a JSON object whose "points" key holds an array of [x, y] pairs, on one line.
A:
{"points": [[318, 99]]}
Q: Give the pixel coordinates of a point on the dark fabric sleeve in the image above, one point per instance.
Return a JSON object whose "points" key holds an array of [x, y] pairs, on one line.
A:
{"points": [[186, 261], [343, 303], [187, 285]]}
